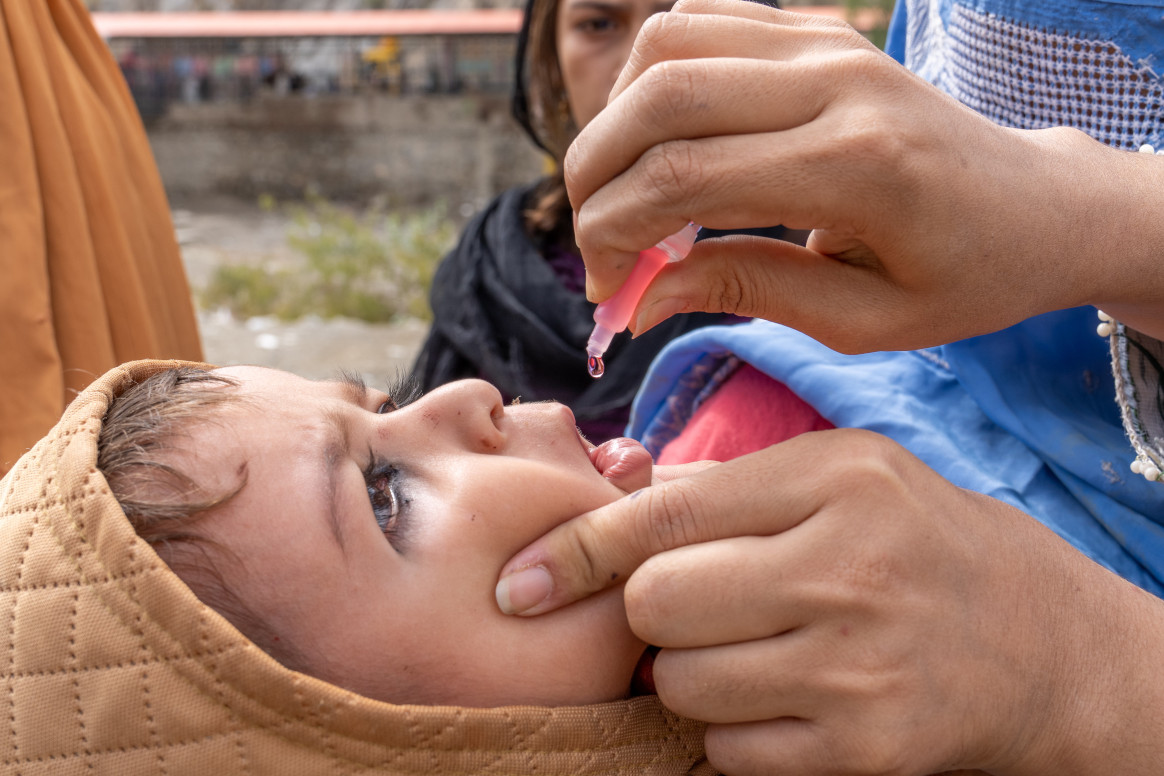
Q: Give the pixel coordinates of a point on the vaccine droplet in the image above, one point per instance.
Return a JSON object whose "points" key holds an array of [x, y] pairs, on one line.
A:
{"points": [[595, 366]]}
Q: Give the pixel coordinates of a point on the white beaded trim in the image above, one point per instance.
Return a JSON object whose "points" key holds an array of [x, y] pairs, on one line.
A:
{"points": [[1108, 326], [1145, 467], [1143, 464]]}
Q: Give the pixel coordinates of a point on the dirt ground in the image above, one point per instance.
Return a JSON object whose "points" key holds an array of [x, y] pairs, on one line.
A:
{"points": [[213, 232]]}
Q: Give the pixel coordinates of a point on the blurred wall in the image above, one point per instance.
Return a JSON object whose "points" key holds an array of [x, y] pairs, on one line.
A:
{"points": [[414, 149]]}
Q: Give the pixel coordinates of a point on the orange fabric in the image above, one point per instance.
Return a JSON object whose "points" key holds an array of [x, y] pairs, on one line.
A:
{"points": [[90, 274]]}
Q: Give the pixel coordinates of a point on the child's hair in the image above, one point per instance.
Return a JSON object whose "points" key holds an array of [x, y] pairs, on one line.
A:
{"points": [[138, 452]]}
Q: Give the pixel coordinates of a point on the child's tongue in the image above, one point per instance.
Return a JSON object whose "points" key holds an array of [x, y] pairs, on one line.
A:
{"points": [[623, 461]]}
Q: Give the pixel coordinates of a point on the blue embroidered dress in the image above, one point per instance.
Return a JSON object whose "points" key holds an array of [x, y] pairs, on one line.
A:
{"points": [[1028, 415]]}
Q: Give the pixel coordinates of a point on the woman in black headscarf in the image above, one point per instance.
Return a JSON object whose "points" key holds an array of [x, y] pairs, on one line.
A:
{"points": [[509, 302]]}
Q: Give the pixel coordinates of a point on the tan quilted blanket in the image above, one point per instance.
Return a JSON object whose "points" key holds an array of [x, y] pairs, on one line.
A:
{"points": [[114, 667]]}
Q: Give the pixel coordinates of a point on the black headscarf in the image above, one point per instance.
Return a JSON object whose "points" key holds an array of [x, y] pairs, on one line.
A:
{"points": [[502, 314]]}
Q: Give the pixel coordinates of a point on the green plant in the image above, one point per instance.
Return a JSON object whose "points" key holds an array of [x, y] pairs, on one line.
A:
{"points": [[246, 290], [877, 33], [370, 265]]}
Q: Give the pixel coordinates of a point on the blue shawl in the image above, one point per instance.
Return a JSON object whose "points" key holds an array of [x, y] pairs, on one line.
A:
{"points": [[1026, 415]]}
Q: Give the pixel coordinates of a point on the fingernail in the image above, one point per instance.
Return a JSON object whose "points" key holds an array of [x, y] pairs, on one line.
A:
{"points": [[655, 314], [523, 590]]}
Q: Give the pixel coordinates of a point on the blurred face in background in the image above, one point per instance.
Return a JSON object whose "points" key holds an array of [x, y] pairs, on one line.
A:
{"points": [[594, 40]]}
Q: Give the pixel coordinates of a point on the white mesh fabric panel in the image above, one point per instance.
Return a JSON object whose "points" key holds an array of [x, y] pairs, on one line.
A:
{"points": [[1021, 76]]}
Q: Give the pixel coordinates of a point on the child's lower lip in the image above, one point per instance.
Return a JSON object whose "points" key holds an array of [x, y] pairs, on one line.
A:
{"points": [[599, 458], [615, 455]]}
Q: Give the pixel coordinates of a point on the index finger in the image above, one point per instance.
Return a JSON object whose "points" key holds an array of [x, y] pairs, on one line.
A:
{"points": [[702, 88], [760, 494], [647, 52]]}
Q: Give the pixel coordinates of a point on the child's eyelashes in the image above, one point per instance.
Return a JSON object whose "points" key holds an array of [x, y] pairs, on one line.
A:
{"points": [[402, 390], [382, 479], [388, 506]]}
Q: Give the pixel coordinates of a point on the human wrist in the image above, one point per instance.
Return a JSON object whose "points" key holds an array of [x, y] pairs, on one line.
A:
{"points": [[1109, 227], [1107, 711]]}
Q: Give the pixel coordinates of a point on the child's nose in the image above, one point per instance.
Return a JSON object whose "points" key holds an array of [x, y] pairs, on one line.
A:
{"points": [[472, 411]]}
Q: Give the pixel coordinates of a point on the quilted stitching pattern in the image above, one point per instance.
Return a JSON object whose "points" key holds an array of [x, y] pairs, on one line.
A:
{"points": [[113, 666]]}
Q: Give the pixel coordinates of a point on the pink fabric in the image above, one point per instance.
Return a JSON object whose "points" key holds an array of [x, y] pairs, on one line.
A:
{"points": [[748, 413]]}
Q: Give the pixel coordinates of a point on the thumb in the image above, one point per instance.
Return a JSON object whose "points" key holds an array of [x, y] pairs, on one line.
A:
{"points": [[602, 548], [848, 305]]}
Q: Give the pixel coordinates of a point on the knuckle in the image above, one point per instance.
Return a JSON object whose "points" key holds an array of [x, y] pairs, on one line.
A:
{"points": [[874, 475], [875, 140], [872, 469], [865, 63], [727, 292], [673, 89], [667, 36], [728, 751], [674, 522], [871, 134], [667, 518], [586, 572], [670, 170], [688, 683], [873, 461], [874, 755], [649, 597], [652, 42]]}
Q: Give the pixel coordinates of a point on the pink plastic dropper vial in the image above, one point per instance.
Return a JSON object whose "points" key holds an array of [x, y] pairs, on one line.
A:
{"points": [[613, 315]]}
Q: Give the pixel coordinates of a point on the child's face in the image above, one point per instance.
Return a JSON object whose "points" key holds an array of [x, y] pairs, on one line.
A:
{"points": [[394, 599]]}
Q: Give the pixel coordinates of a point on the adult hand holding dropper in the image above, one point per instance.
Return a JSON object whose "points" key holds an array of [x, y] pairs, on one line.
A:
{"points": [[831, 603]]}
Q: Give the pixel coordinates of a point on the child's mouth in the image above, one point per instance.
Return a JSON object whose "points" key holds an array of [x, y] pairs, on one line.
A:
{"points": [[643, 682], [615, 459]]}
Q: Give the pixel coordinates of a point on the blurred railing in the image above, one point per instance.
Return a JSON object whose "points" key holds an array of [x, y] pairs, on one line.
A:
{"points": [[215, 57], [240, 56]]}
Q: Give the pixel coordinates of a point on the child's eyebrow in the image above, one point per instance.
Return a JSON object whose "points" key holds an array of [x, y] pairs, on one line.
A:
{"points": [[337, 447], [353, 385], [336, 450]]}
